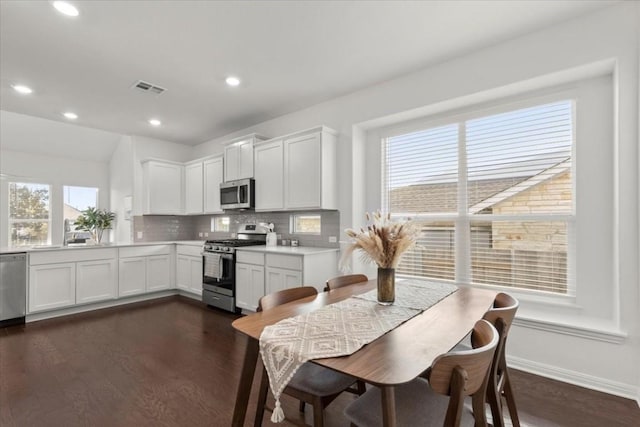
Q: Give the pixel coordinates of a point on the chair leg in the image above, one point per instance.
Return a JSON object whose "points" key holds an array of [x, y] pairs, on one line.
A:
{"points": [[362, 388], [495, 402], [262, 398], [301, 406], [318, 416], [511, 403]]}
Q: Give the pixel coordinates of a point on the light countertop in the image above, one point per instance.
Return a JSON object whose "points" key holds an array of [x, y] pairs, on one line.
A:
{"points": [[288, 250], [22, 249]]}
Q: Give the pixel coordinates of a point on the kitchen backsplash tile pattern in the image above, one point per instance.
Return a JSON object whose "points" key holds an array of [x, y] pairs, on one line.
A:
{"points": [[164, 228]]}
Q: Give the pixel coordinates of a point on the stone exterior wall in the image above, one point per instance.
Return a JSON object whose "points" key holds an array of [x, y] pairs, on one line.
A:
{"points": [[552, 196]]}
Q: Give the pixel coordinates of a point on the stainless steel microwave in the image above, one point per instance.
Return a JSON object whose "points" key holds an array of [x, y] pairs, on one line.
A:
{"points": [[238, 194]]}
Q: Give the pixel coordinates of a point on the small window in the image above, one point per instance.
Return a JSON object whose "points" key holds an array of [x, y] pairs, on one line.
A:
{"points": [[306, 224], [29, 215], [78, 199], [220, 223]]}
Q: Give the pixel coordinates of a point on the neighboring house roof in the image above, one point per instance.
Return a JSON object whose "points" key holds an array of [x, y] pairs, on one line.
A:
{"points": [[483, 194]]}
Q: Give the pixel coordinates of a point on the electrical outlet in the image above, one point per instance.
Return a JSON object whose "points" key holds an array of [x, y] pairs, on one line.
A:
{"points": [[139, 234], [333, 239], [199, 234], [206, 234]]}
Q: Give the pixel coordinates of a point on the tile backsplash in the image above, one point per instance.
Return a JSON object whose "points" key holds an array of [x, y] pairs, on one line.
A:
{"points": [[164, 228]]}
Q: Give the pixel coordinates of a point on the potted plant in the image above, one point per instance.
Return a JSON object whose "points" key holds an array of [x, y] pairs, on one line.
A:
{"points": [[95, 221], [383, 242]]}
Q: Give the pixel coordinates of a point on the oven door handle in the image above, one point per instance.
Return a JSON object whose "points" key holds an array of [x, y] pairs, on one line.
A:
{"points": [[225, 256]]}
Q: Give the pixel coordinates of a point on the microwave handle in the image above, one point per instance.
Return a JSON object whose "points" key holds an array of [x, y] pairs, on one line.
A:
{"points": [[239, 199]]}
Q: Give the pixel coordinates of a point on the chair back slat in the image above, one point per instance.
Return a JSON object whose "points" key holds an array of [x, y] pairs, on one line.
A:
{"points": [[475, 363], [340, 281], [284, 296]]}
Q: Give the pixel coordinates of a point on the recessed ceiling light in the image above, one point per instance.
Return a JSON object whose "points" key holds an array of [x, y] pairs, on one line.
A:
{"points": [[69, 115], [232, 81], [22, 89], [155, 122], [66, 8]]}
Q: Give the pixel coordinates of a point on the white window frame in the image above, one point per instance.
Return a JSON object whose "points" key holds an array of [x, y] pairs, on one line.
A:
{"points": [[462, 219], [11, 220]]}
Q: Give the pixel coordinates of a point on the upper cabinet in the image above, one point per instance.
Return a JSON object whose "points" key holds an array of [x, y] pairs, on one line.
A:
{"points": [[162, 184], [213, 172], [269, 175], [193, 188], [202, 186], [297, 171], [238, 157]]}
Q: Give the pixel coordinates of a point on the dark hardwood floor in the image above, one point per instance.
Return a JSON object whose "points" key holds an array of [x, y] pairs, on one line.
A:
{"points": [[175, 362]]}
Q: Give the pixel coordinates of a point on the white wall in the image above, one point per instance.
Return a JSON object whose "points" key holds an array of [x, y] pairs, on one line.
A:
{"points": [[56, 171], [121, 169], [576, 352]]}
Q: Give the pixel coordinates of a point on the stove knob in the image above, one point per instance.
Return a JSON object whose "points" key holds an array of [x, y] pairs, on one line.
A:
{"points": [[228, 249], [215, 248]]}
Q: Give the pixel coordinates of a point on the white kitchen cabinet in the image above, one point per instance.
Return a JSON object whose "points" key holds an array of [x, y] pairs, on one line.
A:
{"points": [[189, 269], [249, 279], [162, 187], [238, 157], [96, 280], [193, 188], [269, 175], [278, 279], [132, 276], [310, 170], [52, 286], [145, 269], [213, 176], [158, 273], [68, 277]]}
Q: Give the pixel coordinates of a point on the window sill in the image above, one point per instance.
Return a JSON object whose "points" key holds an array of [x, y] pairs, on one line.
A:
{"points": [[606, 334]]}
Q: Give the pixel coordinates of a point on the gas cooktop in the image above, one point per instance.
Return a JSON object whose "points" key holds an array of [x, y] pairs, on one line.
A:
{"points": [[235, 242]]}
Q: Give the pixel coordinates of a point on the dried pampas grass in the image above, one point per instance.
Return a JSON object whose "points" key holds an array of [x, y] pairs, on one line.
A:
{"points": [[383, 242]]}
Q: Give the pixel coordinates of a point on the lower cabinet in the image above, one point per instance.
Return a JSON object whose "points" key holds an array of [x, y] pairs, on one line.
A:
{"points": [[96, 280], [189, 273], [249, 279], [145, 269], [59, 279], [278, 279], [52, 286]]}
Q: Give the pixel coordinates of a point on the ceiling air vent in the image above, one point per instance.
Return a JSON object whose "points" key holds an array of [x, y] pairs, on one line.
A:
{"points": [[148, 87]]}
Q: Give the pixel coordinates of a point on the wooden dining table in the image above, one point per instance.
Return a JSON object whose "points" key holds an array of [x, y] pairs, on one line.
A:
{"points": [[395, 358]]}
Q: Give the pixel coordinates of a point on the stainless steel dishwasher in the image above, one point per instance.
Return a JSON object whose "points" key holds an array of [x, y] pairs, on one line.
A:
{"points": [[13, 288]]}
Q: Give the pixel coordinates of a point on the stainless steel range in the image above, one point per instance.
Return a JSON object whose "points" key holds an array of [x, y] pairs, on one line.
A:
{"points": [[219, 265]]}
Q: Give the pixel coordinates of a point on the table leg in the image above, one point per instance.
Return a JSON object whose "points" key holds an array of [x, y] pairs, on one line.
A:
{"points": [[246, 380], [388, 406]]}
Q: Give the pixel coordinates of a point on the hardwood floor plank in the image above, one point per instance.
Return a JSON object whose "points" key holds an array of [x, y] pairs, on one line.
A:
{"points": [[175, 362]]}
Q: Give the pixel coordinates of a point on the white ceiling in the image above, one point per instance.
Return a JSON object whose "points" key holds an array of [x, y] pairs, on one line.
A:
{"points": [[290, 55]]}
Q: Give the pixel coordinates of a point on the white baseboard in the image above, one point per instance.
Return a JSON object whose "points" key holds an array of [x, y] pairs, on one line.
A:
{"points": [[576, 378]]}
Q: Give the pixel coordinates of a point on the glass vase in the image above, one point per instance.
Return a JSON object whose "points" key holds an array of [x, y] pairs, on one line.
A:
{"points": [[386, 286]]}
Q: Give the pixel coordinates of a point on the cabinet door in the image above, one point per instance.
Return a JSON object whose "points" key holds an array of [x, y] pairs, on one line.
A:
{"points": [[231, 162], [193, 189], [96, 280], [183, 272], [269, 176], [158, 272], [163, 188], [195, 269], [278, 279], [52, 286], [245, 167], [132, 276], [212, 178], [249, 285], [302, 170]]}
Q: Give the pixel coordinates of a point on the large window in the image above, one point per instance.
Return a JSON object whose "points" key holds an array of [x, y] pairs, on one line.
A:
{"points": [[29, 214], [77, 199], [494, 196]]}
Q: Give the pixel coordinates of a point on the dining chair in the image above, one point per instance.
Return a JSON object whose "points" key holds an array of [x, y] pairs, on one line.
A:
{"points": [[504, 308], [439, 399], [340, 281], [313, 384]]}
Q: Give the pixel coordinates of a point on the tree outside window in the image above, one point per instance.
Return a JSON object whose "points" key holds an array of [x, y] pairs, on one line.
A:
{"points": [[29, 214]]}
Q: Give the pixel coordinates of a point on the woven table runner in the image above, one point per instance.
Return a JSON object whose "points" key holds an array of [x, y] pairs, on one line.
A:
{"points": [[339, 329]]}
